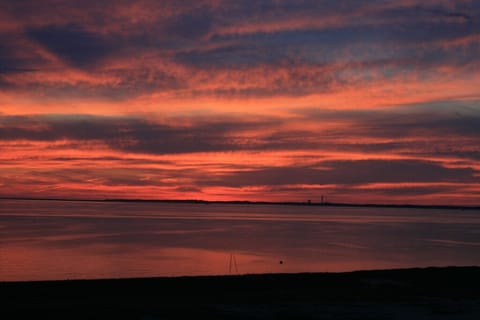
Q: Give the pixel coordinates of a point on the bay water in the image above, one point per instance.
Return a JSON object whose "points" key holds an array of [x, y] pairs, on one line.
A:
{"points": [[54, 240]]}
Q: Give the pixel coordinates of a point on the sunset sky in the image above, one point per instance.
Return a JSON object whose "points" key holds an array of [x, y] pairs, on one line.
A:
{"points": [[359, 101]]}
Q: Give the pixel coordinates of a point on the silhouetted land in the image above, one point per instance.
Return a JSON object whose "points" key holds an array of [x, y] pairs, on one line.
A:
{"points": [[430, 293], [288, 203]]}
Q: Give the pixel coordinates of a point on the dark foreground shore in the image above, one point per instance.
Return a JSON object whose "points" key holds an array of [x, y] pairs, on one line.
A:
{"points": [[430, 293]]}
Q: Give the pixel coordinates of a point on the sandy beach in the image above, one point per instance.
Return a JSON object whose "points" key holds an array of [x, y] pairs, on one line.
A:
{"points": [[428, 293]]}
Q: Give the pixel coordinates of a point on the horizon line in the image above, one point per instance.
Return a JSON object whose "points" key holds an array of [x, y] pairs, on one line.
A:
{"points": [[250, 202]]}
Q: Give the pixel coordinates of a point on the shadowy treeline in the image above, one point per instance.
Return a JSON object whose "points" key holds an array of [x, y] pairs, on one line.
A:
{"points": [[284, 203]]}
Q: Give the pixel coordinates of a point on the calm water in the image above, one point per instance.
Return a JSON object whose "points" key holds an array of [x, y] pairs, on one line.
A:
{"points": [[69, 240]]}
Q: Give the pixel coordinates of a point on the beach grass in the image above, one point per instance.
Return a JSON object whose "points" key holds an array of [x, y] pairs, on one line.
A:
{"points": [[423, 293]]}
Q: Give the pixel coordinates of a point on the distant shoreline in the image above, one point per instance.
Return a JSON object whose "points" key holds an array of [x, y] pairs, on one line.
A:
{"points": [[245, 202]]}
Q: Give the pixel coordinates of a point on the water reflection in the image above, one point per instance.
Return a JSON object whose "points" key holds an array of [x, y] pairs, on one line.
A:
{"points": [[59, 240]]}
